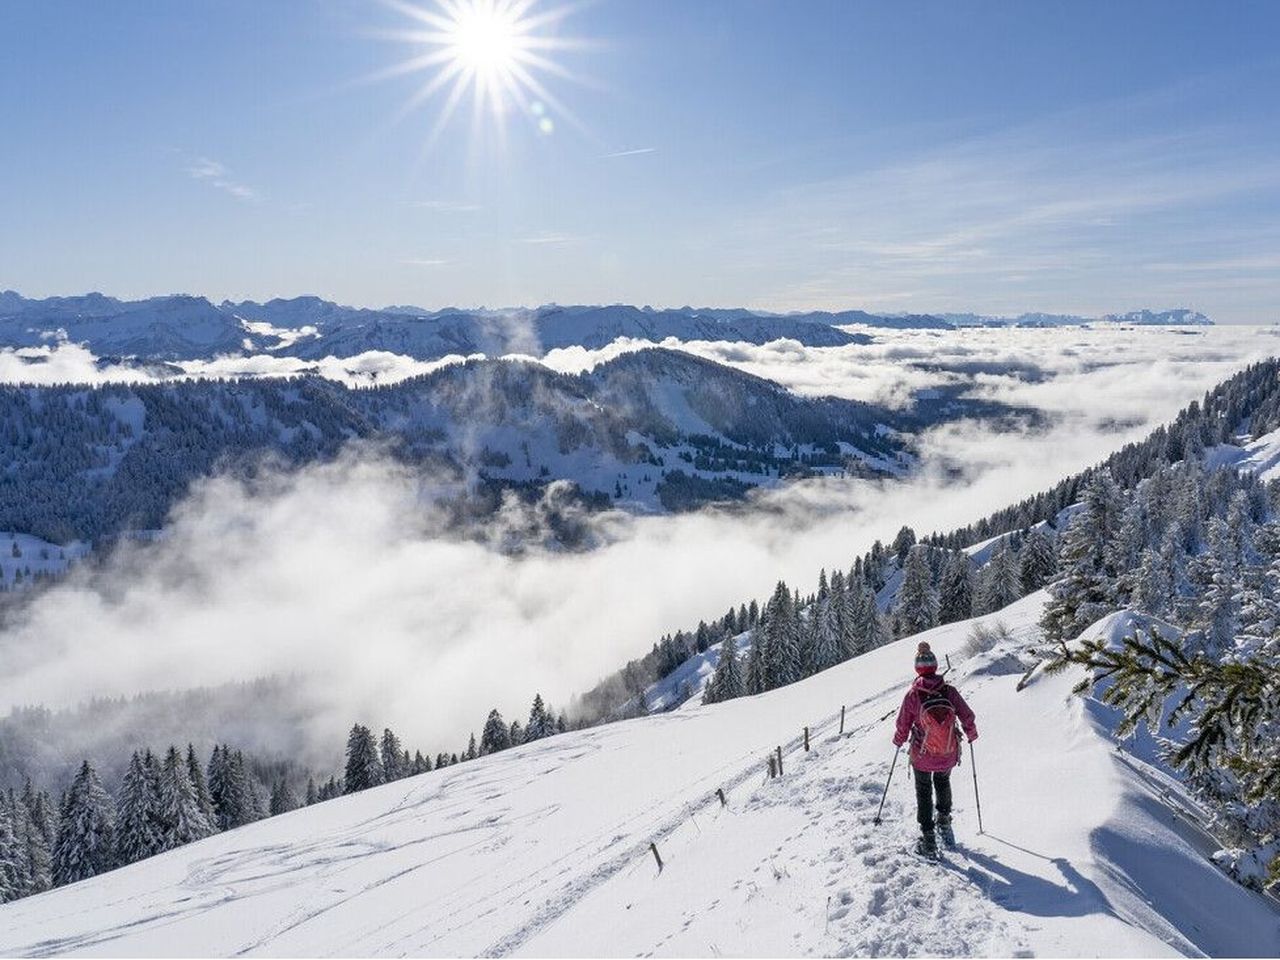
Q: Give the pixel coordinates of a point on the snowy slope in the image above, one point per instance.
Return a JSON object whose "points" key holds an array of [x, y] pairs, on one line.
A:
{"points": [[1262, 456], [544, 850]]}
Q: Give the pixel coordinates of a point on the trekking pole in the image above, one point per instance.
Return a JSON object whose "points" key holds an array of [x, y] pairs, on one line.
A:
{"points": [[976, 798], [888, 780]]}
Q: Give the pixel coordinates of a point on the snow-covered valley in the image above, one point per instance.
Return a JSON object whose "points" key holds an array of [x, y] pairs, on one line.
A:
{"points": [[545, 849]]}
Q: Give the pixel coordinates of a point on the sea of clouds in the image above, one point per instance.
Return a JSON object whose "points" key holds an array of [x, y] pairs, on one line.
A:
{"points": [[340, 571]]}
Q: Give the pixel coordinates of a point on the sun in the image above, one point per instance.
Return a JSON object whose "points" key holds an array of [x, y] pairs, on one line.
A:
{"points": [[497, 52], [485, 39]]}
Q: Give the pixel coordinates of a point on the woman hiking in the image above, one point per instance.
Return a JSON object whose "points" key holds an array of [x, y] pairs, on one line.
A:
{"points": [[928, 717]]}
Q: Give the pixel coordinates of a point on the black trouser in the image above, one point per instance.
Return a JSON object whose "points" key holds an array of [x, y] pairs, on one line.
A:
{"points": [[926, 784]]}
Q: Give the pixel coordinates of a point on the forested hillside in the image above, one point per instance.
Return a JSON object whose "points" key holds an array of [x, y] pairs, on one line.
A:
{"points": [[651, 430]]}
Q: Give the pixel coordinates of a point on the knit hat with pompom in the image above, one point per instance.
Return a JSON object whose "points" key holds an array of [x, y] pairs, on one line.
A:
{"points": [[926, 662]]}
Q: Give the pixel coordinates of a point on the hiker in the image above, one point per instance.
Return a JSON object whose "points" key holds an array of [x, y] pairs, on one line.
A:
{"points": [[928, 716]]}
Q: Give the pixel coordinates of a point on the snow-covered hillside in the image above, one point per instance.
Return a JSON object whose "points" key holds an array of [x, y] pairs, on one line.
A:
{"points": [[545, 849]]}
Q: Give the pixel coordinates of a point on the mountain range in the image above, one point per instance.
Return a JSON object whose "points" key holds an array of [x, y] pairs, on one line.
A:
{"points": [[185, 327], [1180, 317]]}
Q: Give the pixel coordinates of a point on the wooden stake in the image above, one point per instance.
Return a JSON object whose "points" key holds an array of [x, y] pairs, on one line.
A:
{"points": [[842, 719], [656, 856], [773, 767], [779, 761], [806, 739], [720, 794]]}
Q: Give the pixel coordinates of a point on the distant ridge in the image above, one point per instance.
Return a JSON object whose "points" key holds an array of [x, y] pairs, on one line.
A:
{"points": [[186, 327]]}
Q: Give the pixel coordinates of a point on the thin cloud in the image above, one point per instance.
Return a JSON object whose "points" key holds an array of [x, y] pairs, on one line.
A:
{"points": [[629, 153], [424, 262], [217, 175]]}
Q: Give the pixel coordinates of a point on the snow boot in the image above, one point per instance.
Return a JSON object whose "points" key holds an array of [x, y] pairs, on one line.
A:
{"points": [[927, 845], [946, 833]]}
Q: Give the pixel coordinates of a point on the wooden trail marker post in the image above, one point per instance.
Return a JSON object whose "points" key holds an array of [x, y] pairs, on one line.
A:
{"points": [[806, 739], [720, 794], [841, 720], [779, 760], [656, 855]]}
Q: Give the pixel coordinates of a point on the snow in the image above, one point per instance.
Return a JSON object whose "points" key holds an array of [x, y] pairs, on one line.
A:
{"points": [[35, 556], [544, 850], [1262, 456]]}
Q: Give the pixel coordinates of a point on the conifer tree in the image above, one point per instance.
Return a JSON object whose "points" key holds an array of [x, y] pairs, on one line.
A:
{"points": [[1232, 754], [364, 766], [902, 544], [1038, 559], [757, 678], [782, 649], [496, 735], [827, 650], [12, 882], [392, 762], [180, 813], [1000, 582], [198, 783], [226, 789], [137, 834], [282, 798], [472, 752], [421, 764], [516, 735], [538, 725], [312, 794], [258, 801], [728, 681], [917, 599], [40, 840], [86, 830], [1151, 588], [1085, 591], [869, 628], [955, 589]]}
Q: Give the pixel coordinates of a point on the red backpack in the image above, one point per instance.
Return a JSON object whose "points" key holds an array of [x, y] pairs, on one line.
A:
{"points": [[941, 737]]}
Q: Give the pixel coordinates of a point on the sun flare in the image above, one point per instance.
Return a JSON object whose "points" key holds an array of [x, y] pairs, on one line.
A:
{"points": [[496, 51]]}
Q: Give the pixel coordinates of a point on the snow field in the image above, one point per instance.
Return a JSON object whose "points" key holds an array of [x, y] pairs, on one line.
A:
{"points": [[544, 849]]}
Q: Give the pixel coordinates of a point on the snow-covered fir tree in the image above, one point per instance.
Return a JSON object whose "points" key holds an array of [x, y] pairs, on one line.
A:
{"points": [[1151, 587], [364, 765], [85, 846], [729, 680], [40, 840], [539, 725], [1038, 558], [12, 880], [1000, 582], [955, 589], [917, 607], [393, 767], [137, 834], [782, 646], [201, 786], [757, 672], [180, 815], [496, 735], [1085, 590], [282, 798]]}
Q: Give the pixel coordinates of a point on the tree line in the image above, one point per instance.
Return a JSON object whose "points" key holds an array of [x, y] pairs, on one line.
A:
{"points": [[164, 802]]}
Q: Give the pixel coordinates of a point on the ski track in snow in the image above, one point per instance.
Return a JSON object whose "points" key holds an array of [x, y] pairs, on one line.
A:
{"points": [[544, 850]]}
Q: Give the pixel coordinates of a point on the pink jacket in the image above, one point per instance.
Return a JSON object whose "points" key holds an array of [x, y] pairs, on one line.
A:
{"points": [[909, 715]]}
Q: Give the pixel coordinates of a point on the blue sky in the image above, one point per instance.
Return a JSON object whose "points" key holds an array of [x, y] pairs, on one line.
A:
{"points": [[995, 157]]}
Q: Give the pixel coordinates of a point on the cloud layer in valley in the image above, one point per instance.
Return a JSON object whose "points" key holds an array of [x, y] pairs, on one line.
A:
{"points": [[339, 569]]}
